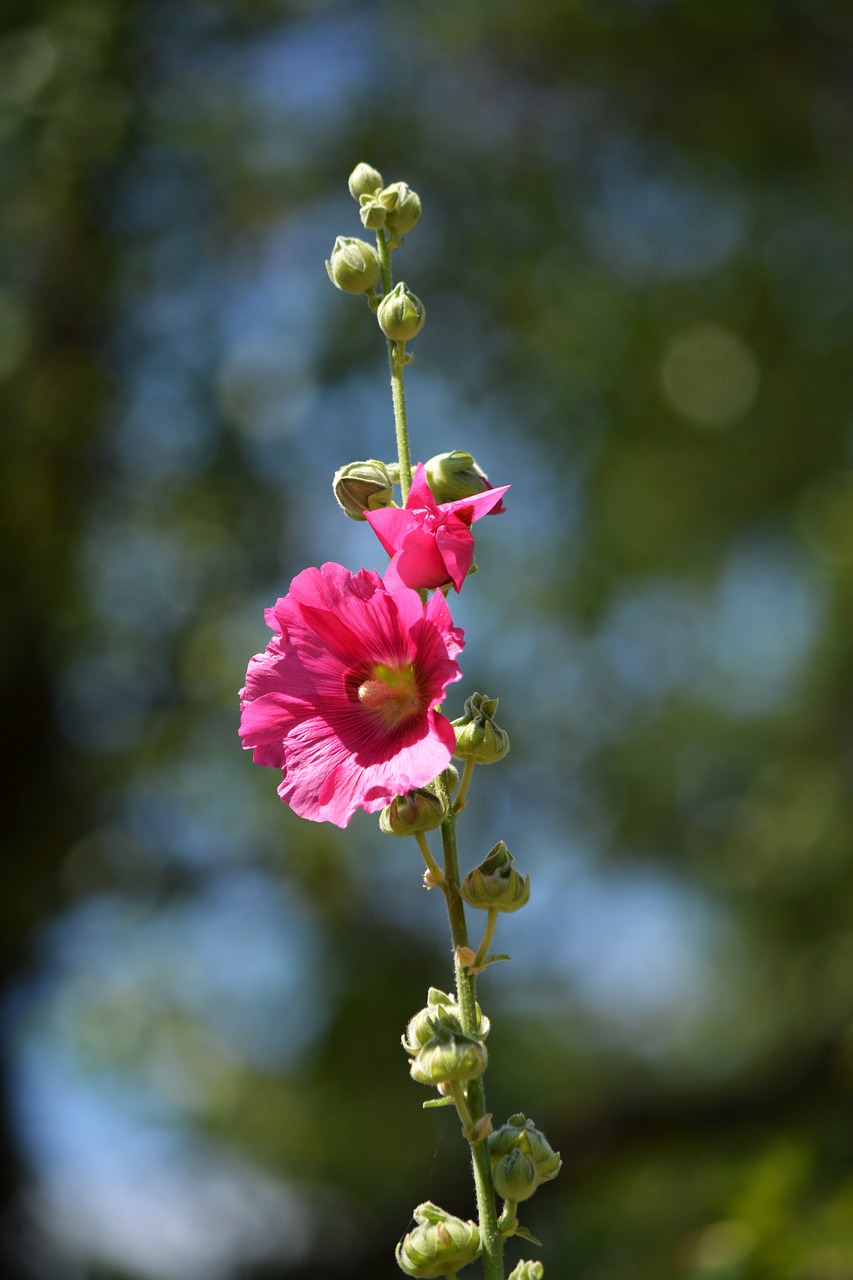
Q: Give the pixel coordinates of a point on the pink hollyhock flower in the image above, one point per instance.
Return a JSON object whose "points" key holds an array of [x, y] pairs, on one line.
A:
{"points": [[344, 698], [430, 544]]}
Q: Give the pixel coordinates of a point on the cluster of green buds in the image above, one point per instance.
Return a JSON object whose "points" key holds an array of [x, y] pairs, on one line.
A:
{"points": [[356, 267], [439, 1245], [448, 1057], [478, 738], [442, 1008], [395, 208], [527, 1271], [495, 885], [441, 1052], [368, 484], [522, 1159]]}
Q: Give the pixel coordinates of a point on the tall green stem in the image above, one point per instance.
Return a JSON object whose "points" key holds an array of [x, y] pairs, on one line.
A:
{"points": [[490, 1237], [397, 361]]}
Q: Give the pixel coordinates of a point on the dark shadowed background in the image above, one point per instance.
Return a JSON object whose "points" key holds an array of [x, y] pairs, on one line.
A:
{"points": [[636, 256]]}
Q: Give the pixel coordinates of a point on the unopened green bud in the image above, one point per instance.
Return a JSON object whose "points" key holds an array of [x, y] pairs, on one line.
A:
{"points": [[353, 266], [536, 1146], [371, 212], [364, 180], [527, 1271], [520, 1134], [419, 810], [439, 1244], [448, 1056], [495, 885], [421, 1027], [443, 1010], [455, 475], [401, 315], [402, 207], [363, 486], [514, 1176], [478, 738]]}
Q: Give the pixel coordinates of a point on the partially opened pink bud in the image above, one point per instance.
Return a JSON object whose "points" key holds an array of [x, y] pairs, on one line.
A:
{"points": [[430, 543]]}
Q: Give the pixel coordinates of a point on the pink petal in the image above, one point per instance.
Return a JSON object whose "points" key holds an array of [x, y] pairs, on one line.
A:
{"points": [[438, 612], [455, 542], [471, 509], [420, 495], [300, 710], [418, 563]]}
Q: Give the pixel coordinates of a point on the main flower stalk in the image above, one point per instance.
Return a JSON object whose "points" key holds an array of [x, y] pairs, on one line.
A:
{"points": [[345, 703], [466, 996], [397, 361]]}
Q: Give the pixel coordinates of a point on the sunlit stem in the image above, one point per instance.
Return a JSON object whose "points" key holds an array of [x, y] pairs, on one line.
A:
{"points": [[491, 1239], [467, 775], [396, 359], [436, 874], [488, 934]]}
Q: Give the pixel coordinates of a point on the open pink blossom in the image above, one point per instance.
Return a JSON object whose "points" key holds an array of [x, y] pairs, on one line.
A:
{"points": [[344, 698], [430, 543]]}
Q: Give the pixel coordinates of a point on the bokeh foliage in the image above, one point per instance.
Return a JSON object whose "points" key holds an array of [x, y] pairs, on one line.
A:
{"points": [[637, 261]]}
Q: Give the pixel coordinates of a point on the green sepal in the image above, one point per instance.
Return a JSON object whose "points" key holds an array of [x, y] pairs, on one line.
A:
{"points": [[438, 1102], [495, 885], [478, 738], [527, 1235]]}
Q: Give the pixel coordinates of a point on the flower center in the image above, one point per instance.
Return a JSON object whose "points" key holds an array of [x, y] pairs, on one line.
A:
{"points": [[390, 692]]}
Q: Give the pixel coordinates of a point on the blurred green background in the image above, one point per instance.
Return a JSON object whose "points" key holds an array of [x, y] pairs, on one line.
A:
{"points": [[637, 261]]}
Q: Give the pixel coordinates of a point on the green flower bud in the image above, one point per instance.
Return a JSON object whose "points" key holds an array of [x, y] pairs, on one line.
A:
{"points": [[519, 1134], [448, 1055], [363, 486], [402, 207], [495, 885], [364, 181], [420, 1028], [401, 315], [514, 1176], [438, 1244], [371, 212], [527, 1271], [478, 738], [353, 266], [455, 475], [443, 1010], [419, 810], [546, 1160]]}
